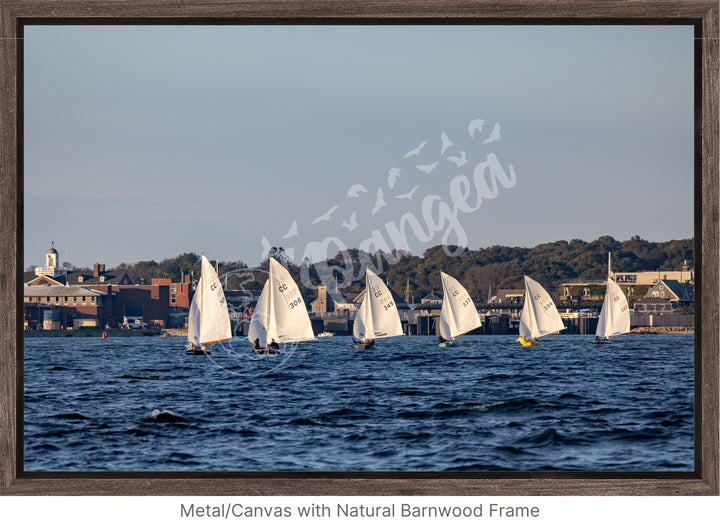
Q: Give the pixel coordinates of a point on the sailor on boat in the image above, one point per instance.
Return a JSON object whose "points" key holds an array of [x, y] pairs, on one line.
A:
{"points": [[274, 345], [256, 344], [193, 349], [441, 340], [369, 341]]}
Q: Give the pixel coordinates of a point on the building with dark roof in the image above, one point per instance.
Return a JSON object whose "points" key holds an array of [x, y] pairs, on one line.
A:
{"points": [[432, 297], [666, 296], [93, 298], [328, 301]]}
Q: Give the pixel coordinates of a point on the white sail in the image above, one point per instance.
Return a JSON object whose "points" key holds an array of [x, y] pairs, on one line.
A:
{"points": [[377, 316], [539, 314], [260, 318], [208, 321], [458, 314], [280, 313], [363, 325], [615, 314]]}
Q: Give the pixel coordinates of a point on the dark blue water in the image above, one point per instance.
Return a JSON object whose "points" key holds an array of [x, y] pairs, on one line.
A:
{"points": [[406, 406]]}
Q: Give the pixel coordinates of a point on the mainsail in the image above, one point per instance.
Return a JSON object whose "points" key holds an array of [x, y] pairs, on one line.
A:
{"points": [[539, 314], [208, 320], [615, 314], [280, 313], [377, 316], [458, 314]]}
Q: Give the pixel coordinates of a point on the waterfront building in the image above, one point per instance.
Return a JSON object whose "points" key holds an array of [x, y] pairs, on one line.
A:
{"points": [[667, 296], [52, 267], [634, 284], [75, 306], [329, 301], [507, 296], [430, 305], [91, 298]]}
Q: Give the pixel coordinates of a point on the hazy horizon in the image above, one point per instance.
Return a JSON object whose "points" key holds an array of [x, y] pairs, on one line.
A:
{"points": [[144, 142]]}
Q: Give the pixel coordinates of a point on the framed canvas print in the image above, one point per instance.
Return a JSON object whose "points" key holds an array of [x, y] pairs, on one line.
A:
{"points": [[289, 248]]}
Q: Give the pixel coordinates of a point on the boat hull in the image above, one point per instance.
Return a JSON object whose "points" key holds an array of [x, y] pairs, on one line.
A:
{"points": [[449, 344], [364, 346], [198, 352], [527, 343], [266, 351]]}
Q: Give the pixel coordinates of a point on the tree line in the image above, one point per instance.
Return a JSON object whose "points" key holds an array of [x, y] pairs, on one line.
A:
{"points": [[481, 271]]}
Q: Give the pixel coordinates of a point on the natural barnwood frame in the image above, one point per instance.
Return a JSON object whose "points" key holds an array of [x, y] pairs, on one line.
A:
{"points": [[702, 14]]}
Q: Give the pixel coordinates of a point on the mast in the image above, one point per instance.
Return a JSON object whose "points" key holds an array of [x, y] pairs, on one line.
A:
{"points": [[609, 270], [269, 305]]}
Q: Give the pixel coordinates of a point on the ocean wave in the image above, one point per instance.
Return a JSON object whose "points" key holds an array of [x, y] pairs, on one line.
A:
{"points": [[303, 421], [545, 438], [164, 416], [348, 413], [74, 416]]}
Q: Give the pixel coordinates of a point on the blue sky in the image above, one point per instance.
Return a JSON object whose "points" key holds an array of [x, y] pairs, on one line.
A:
{"points": [[145, 142]]}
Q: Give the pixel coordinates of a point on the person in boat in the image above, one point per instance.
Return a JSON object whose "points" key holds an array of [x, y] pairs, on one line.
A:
{"points": [[355, 340], [441, 340], [370, 342], [256, 344], [597, 339], [274, 345]]}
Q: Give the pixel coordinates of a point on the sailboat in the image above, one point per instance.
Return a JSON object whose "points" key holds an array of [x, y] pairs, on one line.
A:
{"points": [[539, 314], [458, 314], [377, 316], [615, 314], [208, 320], [280, 315]]}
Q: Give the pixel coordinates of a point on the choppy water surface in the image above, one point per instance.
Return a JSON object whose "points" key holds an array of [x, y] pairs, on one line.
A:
{"points": [[405, 406]]}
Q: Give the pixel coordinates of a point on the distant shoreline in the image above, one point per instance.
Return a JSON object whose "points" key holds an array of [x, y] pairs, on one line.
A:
{"points": [[90, 332], [663, 330]]}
